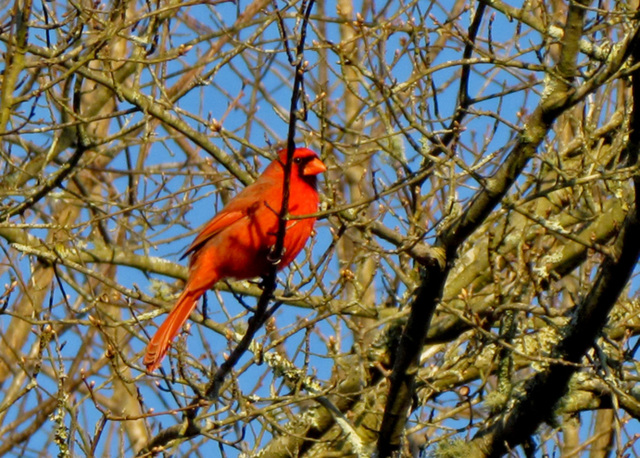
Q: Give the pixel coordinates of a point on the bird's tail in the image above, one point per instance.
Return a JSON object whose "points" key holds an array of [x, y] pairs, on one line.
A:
{"points": [[160, 342]]}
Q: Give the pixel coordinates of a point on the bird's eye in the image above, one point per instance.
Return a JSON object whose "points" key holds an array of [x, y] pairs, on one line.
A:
{"points": [[297, 160]]}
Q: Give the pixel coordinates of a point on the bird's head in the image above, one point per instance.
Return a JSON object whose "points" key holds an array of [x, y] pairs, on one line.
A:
{"points": [[305, 162]]}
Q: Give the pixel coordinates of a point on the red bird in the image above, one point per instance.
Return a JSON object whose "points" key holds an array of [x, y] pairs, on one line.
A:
{"points": [[237, 242]]}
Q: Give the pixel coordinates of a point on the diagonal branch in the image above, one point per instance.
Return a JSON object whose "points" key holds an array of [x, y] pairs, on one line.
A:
{"points": [[544, 390]]}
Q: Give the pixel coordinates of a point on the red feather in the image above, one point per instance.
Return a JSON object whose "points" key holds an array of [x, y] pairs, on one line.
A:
{"points": [[237, 242]]}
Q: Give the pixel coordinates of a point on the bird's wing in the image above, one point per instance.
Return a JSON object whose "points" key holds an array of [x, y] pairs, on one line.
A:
{"points": [[244, 204]]}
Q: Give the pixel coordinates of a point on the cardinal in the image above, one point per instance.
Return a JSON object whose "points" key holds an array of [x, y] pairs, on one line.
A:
{"points": [[238, 242]]}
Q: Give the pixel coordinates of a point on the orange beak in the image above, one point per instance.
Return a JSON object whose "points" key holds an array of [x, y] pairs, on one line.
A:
{"points": [[314, 167]]}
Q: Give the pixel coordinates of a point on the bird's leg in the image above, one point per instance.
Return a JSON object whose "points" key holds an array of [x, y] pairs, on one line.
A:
{"points": [[272, 258]]}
